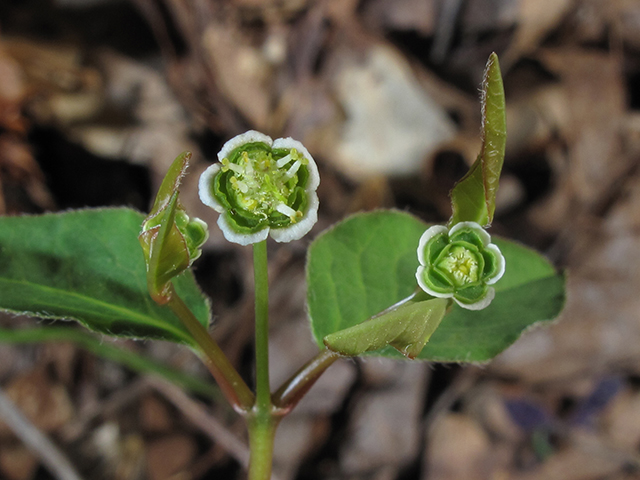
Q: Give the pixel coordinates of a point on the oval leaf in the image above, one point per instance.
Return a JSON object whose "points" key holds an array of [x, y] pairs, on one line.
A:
{"points": [[368, 262], [87, 265], [473, 198]]}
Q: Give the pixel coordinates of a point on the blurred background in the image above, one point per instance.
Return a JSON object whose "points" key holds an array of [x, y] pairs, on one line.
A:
{"points": [[97, 97]]}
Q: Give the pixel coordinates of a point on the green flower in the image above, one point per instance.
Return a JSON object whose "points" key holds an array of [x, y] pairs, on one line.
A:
{"points": [[261, 187], [459, 263]]}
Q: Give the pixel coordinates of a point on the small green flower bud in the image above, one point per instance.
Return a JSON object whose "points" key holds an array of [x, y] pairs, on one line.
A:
{"points": [[460, 263], [170, 240], [262, 187]]}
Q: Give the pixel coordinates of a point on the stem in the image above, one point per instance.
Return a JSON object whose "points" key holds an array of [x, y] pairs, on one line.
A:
{"points": [[231, 383], [262, 422], [261, 279], [292, 391], [262, 432]]}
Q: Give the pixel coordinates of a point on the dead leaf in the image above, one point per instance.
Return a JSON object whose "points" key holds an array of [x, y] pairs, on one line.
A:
{"points": [[535, 20], [17, 462], [621, 420], [154, 414], [401, 15], [391, 124], [575, 463], [458, 448], [385, 425], [46, 404], [242, 72], [596, 93], [168, 456]]}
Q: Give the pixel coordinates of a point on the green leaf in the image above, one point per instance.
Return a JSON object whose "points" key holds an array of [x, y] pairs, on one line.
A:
{"points": [[111, 352], [87, 265], [473, 198], [407, 328], [368, 262]]}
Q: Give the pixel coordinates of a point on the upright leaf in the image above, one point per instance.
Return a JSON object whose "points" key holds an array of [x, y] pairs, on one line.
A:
{"points": [[368, 262], [87, 265], [473, 198]]}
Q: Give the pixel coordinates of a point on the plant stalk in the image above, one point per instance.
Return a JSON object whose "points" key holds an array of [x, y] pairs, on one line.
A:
{"points": [[261, 279], [262, 432], [231, 383], [292, 391], [262, 421]]}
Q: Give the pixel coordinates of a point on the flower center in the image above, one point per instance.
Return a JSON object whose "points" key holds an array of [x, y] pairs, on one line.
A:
{"points": [[462, 264], [262, 185]]}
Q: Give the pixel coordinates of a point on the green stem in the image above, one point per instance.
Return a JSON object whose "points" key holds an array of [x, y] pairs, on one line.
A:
{"points": [[262, 432], [292, 391], [262, 422], [261, 279], [231, 383]]}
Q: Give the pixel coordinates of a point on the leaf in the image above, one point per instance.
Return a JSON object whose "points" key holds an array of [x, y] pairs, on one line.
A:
{"points": [[111, 352], [368, 262], [170, 183], [473, 198], [407, 328], [87, 265]]}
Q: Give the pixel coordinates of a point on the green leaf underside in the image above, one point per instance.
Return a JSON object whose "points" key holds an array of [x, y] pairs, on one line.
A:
{"points": [[473, 197], [406, 328], [111, 352], [368, 262], [87, 265]]}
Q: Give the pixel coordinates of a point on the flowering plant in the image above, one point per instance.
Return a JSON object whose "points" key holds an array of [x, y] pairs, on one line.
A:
{"points": [[361, 274]]}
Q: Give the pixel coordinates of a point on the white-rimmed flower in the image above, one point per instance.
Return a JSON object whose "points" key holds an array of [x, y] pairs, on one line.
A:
{"points": [[261, 187], [459, 263]]}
